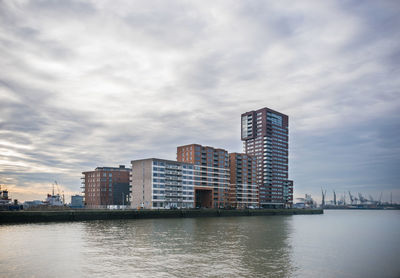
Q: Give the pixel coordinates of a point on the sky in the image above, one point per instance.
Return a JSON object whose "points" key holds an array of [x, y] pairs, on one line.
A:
{"points": [[100, 83]]}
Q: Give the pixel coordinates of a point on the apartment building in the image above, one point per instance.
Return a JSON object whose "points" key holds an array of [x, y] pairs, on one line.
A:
{"points": [[288, 193], [106, 186], [265, 134], [243, 189], [162, 184], [210, 173]]}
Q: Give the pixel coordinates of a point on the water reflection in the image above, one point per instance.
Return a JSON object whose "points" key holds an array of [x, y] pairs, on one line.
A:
{"points": [[335, 244], [207, 247]]}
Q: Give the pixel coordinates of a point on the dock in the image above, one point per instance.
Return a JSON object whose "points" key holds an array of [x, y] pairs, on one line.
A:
{"points": [[7, 217]]}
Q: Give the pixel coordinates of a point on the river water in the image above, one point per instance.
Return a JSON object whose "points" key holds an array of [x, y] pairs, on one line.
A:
{"points": [[343, 243]]}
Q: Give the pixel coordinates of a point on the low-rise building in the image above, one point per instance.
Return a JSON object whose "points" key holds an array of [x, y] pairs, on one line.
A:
{"points": [[162, 184], [76, 201], [106, 186]]}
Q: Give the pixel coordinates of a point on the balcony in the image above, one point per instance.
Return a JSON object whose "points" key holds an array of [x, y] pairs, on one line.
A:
{"points": [[173, 195], [173, 167], [173, 178], [169, 172], [170, 183]]}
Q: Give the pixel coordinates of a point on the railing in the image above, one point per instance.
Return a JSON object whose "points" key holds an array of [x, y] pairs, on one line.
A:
{"points": [[175, 167]]}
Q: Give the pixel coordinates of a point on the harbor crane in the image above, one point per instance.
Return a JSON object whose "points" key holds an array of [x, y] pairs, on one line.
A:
{"points": [[323, 197], [334, 197], [373, 201], [58, 191], [351, 198], [362, 199]]}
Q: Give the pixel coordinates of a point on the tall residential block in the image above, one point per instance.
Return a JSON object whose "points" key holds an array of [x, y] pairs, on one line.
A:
{"points": [[265, 133], [159, 183], [243, 192], [288, 193], [210, 172], [106, 186]]}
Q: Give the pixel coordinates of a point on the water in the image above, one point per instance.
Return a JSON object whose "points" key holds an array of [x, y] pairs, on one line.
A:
{"points": [[336, 244]]}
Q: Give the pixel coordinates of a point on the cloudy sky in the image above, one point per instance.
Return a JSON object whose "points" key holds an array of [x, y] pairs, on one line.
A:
{"points": [[100, 83]]}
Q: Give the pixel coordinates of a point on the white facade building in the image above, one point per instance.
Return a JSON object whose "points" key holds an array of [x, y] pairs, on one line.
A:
{"points": [[161, 184]]}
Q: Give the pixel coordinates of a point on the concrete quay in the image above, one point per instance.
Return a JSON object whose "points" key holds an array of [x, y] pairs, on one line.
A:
{"points": [[91, 214]]}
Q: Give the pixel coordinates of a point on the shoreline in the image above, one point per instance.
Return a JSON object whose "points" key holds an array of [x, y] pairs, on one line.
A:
{"points": [[10, 217]]}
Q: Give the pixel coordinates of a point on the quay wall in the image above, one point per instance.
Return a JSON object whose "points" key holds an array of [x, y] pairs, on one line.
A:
{"points": [[89, 214]]}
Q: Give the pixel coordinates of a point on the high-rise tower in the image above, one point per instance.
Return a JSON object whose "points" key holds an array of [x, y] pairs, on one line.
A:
{"points": [[265, 133]]}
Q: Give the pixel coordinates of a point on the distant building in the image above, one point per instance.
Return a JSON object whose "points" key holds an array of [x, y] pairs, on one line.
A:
{"points": [[299, 205], [162, 184], [210, 172], [106, 186], [77, 201], [265, 133], [243, 191], [33, 204]]}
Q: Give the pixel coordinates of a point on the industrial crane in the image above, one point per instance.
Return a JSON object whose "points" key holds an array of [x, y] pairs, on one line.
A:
{"points": [[361, 198], [334, 197], [351, 198], [323, 197], [58, 192], [344, 198]]}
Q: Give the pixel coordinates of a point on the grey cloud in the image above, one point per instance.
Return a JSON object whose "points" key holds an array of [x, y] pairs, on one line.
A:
{"points": [[24, 35], [140, 78], [171, 24], [347, 157], [71, 8], [272, 22]]}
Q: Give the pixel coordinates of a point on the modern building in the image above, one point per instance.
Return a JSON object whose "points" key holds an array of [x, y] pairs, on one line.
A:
{"points": [[243, 191], [210, 172], [159, 183], [288, 193], [265, 133], [106, 186], [77, 201]]}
